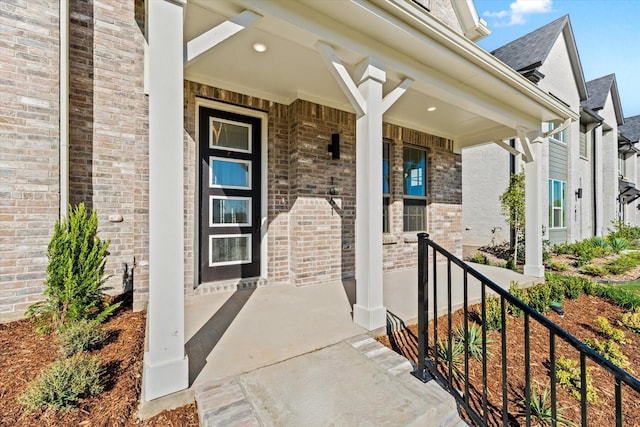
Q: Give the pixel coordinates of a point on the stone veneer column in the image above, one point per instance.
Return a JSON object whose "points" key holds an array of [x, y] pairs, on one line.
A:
{"points": [[166, 367], [368, 311], [533, 216]]}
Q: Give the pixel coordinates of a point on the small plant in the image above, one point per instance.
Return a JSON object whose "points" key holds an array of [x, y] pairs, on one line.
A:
{"points": [[518, 292], [618, 244], [594, 270], [631, 321], [625, 231], [75, 274], [568, 376], [80, 336], [609, 331], [457, 355], [574, 287], [620, 265], [610, 351], [493, 311], [480, 258], [64, 382], [540, 407], [557, 266], [540, 298], [473, 340], [600, 242]]}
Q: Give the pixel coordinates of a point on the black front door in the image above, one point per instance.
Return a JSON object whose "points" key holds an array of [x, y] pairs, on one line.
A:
{"points": [[229, 195]]}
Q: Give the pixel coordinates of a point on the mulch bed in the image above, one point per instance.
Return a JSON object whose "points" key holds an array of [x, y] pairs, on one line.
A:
{"points": [[25, 354], [579, 321]]}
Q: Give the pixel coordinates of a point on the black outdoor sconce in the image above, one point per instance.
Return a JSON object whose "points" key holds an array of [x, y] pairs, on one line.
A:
{"points": [[334, 147], [579, 193]]}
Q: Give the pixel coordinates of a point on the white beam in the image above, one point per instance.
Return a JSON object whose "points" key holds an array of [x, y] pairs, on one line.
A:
{"points": [[509, 148], [395, 94], [340, 73], [166, 367], [527, 155], [218, 34], [559, 129]]}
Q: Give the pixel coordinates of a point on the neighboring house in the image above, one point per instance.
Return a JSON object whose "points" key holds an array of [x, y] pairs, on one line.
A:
{"points": [[579, 163], [597, 179], [629, 171], [247, 143]]}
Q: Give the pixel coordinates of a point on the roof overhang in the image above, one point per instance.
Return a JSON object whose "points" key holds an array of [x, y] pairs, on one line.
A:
{"points": [[478, 98]]}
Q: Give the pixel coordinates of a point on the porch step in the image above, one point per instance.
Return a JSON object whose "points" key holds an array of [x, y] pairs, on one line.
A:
{"points": [[331, 386]]}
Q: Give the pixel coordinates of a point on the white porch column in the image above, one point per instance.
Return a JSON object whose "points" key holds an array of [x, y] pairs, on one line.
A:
{"points": [[166, 367], [368, 311], [533, 216]]}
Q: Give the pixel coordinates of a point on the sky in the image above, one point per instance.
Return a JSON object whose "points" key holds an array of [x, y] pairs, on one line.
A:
{"points": [[606, 33]]}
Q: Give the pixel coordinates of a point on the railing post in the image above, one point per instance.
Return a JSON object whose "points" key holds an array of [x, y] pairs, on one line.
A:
{"points": [[423, 320]]}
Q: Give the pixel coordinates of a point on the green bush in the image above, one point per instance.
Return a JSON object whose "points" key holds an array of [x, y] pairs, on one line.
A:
{"points": [[574, 287], [610, 351], [457, 355], [63, 383], [618, 244], [473, 340], [521, 294], [557, 266], [80, 336], [540, 297], [599, 242], [625, 231], [618, 296], [609, 331], [568, 376], [620, 265], [480, 258], [493, 311], [594, 270], [631, 321], [75, 274], [540, 405]]}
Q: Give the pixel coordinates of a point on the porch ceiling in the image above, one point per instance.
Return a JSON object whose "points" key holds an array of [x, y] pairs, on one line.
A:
{"points": [[474, 105]]}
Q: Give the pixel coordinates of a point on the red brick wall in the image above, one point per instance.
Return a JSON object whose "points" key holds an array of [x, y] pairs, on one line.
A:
{"points": [[29, 135]]}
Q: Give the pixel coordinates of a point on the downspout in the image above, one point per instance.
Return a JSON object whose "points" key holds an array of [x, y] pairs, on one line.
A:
{"points": [[64, 109], [594, 180], [512, 171]]}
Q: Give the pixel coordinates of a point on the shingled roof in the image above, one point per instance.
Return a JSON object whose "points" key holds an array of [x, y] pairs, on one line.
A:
{"points": [[598, 90], [531, 50], [631, 128]]}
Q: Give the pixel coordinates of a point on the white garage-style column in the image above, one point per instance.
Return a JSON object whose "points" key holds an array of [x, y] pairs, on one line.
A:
{"points": [[166, 367], [367, 99], [533, 265]]}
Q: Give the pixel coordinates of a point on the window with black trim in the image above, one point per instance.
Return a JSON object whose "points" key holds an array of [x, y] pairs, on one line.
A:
{"points": [[386, 184], [414, 166]]}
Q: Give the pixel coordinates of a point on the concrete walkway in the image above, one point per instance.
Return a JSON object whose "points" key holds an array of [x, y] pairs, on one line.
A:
{"points": [[357, 382], [274, 345]]}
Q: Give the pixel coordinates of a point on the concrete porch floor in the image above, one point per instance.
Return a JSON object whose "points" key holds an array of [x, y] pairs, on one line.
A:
{"points": [[232, 333]]}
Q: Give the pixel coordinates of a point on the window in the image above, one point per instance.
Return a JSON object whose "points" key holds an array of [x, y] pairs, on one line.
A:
{"points": [[584, 146], [622, 165], [557, 214], [386, 184], [414, 166], [560, 136]]}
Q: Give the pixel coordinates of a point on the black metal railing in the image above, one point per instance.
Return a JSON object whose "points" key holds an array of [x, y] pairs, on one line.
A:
{"points": [[429, 361]]}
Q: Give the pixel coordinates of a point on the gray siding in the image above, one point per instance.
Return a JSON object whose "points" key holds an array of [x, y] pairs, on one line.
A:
{"points": [[558, 161], [558, 170]]}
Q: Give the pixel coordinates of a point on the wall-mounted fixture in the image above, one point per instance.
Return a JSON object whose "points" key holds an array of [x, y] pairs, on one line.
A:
{"points": [[334, 147], [579, 193]]}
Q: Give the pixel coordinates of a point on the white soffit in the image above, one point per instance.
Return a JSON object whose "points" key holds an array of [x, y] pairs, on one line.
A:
{"points": [[469, 100]]}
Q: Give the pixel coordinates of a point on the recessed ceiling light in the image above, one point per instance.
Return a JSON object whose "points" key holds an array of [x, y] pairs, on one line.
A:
{"points": [[431, 109], [259, 47]]}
